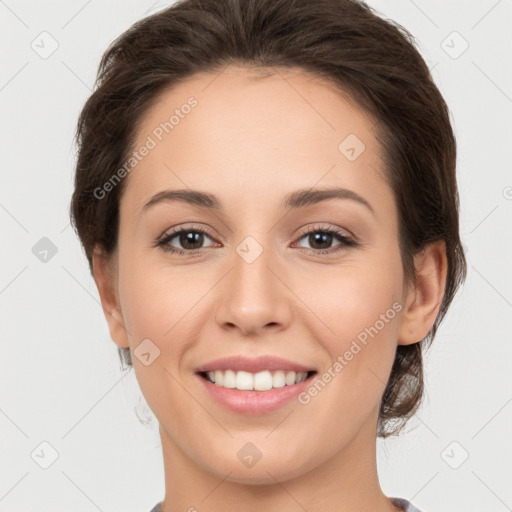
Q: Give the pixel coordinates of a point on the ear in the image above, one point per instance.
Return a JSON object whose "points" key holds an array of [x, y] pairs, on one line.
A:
{"points": [[425, 294], [105, 279]]}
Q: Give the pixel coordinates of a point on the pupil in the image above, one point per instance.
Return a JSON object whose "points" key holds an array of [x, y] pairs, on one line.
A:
{"points": [[327, 238], [188, 240]]}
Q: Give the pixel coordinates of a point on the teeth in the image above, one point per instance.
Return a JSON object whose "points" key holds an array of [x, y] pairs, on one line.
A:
{"points": [[229, 379], [261, 381]]}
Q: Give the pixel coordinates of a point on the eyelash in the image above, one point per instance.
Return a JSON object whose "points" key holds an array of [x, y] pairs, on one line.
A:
{"points": [[346, 241]]}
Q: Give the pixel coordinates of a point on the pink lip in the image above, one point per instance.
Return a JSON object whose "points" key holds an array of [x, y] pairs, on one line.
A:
{"points": [[254, 402], [259, 364]]}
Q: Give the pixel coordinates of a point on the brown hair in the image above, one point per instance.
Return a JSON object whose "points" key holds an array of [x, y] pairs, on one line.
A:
{"points": [[345, 41]]}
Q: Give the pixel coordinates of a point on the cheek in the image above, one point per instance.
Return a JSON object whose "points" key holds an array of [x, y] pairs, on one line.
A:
{"points": [[357, 318], [357, 321], [337, 301], [345, 300], [160, 310], [164, 304]]}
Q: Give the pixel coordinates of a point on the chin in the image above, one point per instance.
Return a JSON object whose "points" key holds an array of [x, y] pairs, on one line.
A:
{"points": [[265, 471]]}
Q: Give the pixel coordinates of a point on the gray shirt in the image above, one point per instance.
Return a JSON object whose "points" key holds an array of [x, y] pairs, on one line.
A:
{"points": [[406, 505], [399, 502]]}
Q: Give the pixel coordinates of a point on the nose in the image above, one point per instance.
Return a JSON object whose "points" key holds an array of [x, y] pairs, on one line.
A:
{"points": [[254, 298]]}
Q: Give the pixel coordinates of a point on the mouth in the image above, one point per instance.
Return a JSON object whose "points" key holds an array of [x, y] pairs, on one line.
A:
{"points": [[258, 385], [260, 381], [260, 393]]}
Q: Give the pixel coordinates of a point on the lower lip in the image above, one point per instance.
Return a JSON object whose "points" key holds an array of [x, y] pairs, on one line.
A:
{"points": [[254, 402]]}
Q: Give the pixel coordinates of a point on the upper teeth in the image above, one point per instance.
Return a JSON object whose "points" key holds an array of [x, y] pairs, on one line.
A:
{"points": [[260, 381]]}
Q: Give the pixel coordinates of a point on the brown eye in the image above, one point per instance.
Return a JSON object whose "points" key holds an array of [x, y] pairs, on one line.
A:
{"points": [[321, 239], [189, 240]]}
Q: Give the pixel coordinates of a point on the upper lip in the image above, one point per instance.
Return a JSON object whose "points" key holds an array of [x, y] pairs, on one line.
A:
{"points": [[253, 365]]}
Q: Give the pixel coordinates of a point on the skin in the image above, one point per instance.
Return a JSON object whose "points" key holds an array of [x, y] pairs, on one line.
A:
{"points": [[250, 141]]}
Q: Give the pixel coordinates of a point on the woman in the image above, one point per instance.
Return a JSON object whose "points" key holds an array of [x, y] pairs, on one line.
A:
{"points": [[266, 195]]}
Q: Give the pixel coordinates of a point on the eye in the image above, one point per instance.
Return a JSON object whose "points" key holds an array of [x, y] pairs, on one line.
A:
{"points": [[322, 237], [190, 239]]}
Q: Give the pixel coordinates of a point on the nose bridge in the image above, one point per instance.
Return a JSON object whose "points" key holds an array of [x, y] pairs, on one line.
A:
{"points": [[253, 284], [251, 265], [253, 296]]}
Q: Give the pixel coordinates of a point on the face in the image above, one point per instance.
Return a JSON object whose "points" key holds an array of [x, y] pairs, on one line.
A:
{"points": [[317, 282]]}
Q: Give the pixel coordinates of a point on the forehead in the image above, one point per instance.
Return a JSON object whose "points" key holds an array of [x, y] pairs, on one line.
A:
{"points": [[243, 134]]}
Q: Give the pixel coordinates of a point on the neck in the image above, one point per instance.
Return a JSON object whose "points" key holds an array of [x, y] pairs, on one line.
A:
{"points": [[344, 482]]}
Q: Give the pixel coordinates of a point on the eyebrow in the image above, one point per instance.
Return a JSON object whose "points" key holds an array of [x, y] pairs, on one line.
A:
{"points": [[298, 199]]}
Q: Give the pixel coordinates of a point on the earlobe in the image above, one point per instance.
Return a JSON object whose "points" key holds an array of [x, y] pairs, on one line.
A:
{"points": [[106, 283], [425, 295]]}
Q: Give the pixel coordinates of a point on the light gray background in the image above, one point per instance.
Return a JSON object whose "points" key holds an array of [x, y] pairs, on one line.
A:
{"points": [[60, 379]]}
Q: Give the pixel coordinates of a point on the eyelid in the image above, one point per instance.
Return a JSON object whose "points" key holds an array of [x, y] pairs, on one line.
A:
{"points": [[302, 231], [323, 227], [345, 237], [186, 227]]}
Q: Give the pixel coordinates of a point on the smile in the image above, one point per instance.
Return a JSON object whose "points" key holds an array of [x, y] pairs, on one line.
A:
{"points": [[253, 385], [261, 381], [248, 393]]}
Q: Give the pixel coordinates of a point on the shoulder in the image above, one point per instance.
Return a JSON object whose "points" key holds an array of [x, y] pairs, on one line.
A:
{"points": [[404, 504], [399, 502]]}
